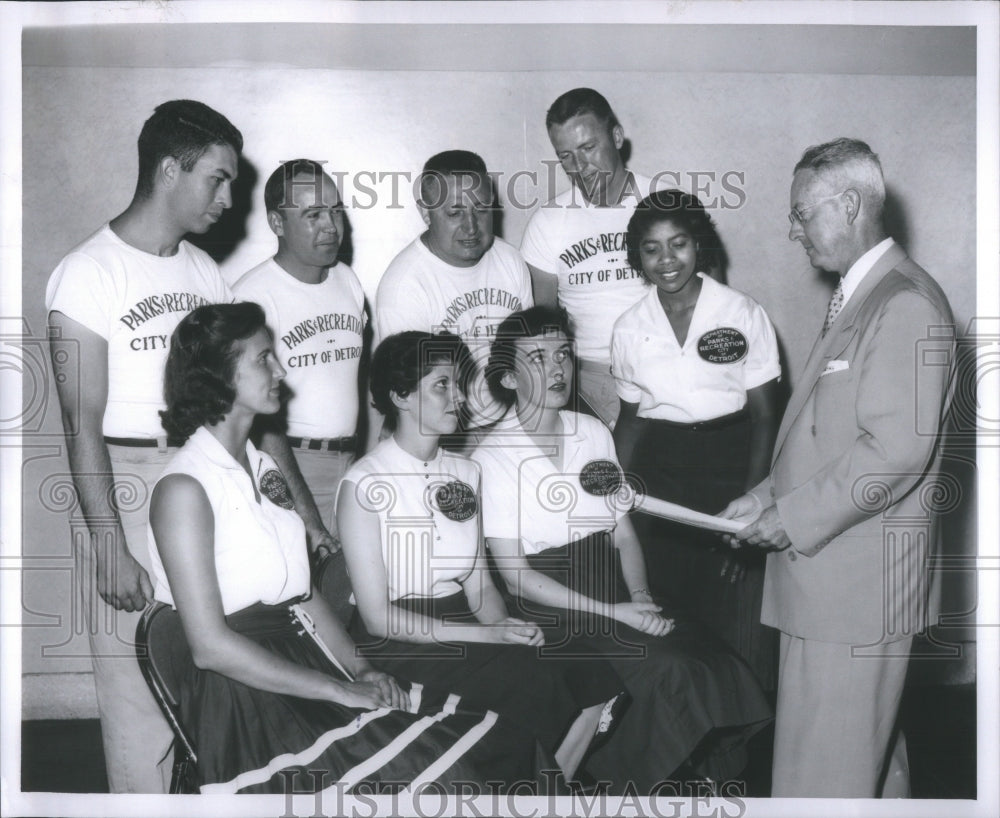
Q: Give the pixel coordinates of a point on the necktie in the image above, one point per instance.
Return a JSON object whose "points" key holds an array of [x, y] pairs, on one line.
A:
{"points": [[836, 302]]}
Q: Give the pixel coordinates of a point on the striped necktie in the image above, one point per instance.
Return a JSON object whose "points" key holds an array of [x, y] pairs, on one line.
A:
{"points": [[836, 303]]}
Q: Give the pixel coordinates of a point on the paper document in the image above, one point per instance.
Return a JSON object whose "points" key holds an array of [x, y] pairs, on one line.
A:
{"points": [[681, 514]]}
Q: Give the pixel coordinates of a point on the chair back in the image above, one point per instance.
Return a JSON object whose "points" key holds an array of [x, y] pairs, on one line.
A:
{"points": [[159, 643]]}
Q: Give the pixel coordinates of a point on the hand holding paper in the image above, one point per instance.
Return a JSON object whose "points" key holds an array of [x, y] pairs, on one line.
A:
{"points": [[761, 527], [681, 514], [604, 477]]}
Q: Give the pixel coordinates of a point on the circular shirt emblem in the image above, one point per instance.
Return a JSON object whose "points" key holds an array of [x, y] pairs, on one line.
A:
{"points": [[457, 501], [274, 487], [601, 477], [724, 345]]}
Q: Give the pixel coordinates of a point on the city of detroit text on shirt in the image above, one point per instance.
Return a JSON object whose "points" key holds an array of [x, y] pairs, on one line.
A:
{"points": [[323, 323]]}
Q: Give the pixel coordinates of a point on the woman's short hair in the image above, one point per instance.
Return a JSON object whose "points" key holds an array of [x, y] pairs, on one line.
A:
{"points": [[401, 361], [685, 211], [201, 365], [527, 323]]}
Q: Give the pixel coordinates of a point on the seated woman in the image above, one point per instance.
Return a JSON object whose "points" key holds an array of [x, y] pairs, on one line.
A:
{"points": [[555, 524], [696, 367], [408, 517], [267, 707]]}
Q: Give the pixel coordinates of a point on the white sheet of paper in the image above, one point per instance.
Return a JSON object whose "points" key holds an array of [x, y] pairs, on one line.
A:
{"points": [[682, 514]]}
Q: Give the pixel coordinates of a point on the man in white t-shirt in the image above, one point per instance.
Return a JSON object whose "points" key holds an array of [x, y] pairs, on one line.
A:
{"points": [[575, 244], [113, 303], [316, 308], [456, 276]]}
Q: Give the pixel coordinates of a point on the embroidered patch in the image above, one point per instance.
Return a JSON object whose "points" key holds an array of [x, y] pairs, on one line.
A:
{"points": [[601, 477], [457, 501], [274, 487], [724, 345]]}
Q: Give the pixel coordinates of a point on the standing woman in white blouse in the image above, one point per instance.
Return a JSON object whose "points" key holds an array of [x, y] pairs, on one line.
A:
{"points": [[697, 370]]}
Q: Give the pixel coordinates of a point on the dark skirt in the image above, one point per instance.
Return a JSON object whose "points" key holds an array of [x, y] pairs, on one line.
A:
{"points": [[703, 469], [254, 741], [540, 688], [693, 700]]}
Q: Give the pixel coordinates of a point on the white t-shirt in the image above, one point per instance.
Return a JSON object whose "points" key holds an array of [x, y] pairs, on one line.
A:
{"points": [[318, 339], [419, 291], [428, 513], [260, 547], [134, 300], [584, 247], [730, 348], [527, 497]]}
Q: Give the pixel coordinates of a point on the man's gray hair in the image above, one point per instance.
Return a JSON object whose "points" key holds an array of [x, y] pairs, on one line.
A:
{"points": [[848, 163]]}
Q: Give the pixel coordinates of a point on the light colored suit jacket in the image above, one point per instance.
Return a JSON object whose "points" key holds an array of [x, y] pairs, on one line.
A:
{"points": [[855, 464]]}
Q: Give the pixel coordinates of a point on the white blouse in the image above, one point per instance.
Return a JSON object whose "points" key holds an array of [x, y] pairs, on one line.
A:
{"points": [[260, 546], [527, 497], [428, 512], [730, 348]]}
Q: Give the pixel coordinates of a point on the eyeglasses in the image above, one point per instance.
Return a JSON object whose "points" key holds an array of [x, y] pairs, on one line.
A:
{"points": [[796, 214]]}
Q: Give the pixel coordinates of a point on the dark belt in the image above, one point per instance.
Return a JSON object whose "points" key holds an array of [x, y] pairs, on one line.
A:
{"points": [[139, 442], [332, 444], [707, 425]]}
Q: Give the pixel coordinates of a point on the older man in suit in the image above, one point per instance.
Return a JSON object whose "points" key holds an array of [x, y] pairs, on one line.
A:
{"points": [[847, 510]]}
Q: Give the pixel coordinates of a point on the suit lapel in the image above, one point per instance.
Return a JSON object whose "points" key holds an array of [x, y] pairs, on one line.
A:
{"points": [[835, 341]]}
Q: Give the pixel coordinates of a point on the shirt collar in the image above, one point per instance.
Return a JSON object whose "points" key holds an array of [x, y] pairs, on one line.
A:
{"points": [[401, 452], [510, 425], [709, 289], [850, 282], [207, 443]]}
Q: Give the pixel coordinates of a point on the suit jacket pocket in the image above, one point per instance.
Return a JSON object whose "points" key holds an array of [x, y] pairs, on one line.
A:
{"points": [[833, 419], [837, 343]]}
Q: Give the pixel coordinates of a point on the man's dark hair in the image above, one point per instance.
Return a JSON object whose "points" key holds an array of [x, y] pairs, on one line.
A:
{"points": [[685, 211], [401, 361], [578, 102], [528, 323], [201, 365], [183, 129], [277, 192], [450, 163]]}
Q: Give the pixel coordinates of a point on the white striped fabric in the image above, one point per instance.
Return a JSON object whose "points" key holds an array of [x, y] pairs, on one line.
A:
{"points": [[350, 778], [302, 758], [471, 738]]}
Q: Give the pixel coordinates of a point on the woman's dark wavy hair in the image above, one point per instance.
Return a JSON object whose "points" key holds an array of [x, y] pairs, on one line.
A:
{"points": [[685, 211], [403, 360], [503, 351], [198, 381]]}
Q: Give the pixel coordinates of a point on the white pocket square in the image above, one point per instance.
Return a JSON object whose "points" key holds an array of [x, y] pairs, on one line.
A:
{"points": [[835, 366]]}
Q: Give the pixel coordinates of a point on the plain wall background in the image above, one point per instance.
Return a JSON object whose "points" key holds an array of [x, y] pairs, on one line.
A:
{"points": [[743, 99]]}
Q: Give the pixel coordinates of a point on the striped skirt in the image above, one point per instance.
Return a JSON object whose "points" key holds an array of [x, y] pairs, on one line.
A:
{"points": [[253, 741]]}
